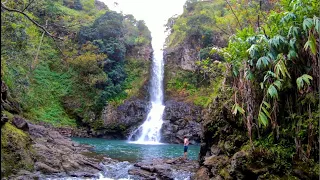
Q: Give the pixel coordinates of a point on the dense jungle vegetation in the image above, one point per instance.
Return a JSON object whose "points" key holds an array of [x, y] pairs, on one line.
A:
{"points": [[267, 53], [83, 60], [63, 61]]}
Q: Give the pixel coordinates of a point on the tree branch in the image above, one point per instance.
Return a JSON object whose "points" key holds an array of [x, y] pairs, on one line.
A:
{"points": [[234, 14], [34, 22], [225, 32], [28, 5], [36, 58]]}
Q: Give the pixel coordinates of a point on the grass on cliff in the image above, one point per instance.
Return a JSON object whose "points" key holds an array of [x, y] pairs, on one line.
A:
{"points": [[43, 100], [137, 71], [192, 87]]}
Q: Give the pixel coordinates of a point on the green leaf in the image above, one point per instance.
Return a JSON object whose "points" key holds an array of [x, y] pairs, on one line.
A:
{"points": [[266, 104], [272, 91], [264, 60], [312, 44], [316, 22], [305, 78], [261, 85], [249, 75], [266, 112], [307, 24], [278, 84], [299, 83], [292, 54], [263, 118], [288, 17], [271, 55], [280, 67], [293, 31], [253, 51], [292, 43], [236, 108], [269, 73]]}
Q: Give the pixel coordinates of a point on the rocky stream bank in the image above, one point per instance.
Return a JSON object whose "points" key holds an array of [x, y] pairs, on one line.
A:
{"points": [[31, 151]]}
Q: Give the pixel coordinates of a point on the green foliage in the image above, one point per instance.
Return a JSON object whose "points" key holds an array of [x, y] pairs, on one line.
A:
{"points": [[200, 87], [264, 113], [279, 54], [273, 55], [59, 88], [302, 80], [237, 108], [42, 102], [138, 73]]}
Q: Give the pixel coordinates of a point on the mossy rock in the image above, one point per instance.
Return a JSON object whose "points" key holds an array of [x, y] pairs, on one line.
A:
{"points": [[8, 114], [16, 151], [216, 161], [225, 173]]}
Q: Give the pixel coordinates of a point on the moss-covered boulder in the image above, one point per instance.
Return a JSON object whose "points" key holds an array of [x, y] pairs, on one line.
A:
{"points": [[16, 150]]}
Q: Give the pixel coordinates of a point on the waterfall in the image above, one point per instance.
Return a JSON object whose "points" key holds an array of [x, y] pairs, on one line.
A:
{"points": [[149, 131]]}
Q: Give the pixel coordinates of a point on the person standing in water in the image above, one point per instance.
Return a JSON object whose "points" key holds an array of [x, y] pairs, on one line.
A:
{"points": [[185, 145]]}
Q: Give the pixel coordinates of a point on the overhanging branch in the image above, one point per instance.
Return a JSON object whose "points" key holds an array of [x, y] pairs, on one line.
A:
{"points": [[34, 22]]}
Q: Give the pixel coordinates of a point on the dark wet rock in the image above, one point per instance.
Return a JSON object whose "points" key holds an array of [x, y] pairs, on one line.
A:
{"points": [[83, 174], [181, 119], [142, 174], [177, 168], [238, 165], [26, 175], [44, 168], [8, 103], [54, 154], [202, 174], [119, 122], [215, 150], [216, 160], [20, 123], [4, 119]]}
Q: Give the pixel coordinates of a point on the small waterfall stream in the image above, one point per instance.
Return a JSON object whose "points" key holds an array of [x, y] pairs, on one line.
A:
{"points": [[149, 131]]}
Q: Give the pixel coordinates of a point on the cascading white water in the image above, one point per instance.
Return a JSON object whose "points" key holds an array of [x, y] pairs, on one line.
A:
{"points": [[149, 131]]}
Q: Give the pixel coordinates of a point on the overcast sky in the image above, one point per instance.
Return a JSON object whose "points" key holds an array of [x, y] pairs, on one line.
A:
{"points": [[154, 12]]}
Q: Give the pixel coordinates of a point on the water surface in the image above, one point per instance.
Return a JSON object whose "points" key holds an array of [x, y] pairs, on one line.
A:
{"points": [[125, 151]]}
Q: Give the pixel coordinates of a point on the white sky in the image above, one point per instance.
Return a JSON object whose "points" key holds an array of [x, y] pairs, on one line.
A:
{"points": [[155, 13]]}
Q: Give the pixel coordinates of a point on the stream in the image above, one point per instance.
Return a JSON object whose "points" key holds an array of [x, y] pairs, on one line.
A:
{"points": [[125, 151], [128, 153]]}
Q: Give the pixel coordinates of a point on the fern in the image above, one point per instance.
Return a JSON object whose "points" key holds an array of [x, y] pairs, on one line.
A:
{"points": [[263, 62], [302, 80], [307, 24]]}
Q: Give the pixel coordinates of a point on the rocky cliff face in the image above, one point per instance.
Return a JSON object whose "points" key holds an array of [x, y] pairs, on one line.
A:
{"points": [[119, 121], [140, 52], [183, 56], [181, 119]]}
